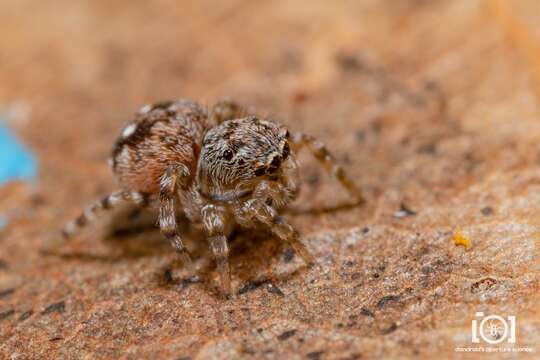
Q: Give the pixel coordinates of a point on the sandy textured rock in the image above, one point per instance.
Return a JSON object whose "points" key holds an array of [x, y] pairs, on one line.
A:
{"points": [[431, 105]]}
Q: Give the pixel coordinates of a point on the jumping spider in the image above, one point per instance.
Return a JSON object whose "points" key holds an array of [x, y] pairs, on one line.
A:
{"points": [[222, 168]]}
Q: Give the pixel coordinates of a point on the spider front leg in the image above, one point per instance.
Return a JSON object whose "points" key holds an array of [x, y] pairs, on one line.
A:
{"points": [[321, 153], [256, 211], [275, 194], [215, 220], [176, 177]]}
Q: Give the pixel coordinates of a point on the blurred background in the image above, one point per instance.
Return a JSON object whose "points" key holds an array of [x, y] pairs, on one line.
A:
{"points": [[431, 106]]}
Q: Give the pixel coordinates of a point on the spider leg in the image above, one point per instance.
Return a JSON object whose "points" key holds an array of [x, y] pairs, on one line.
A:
{"points": [[275, 194], [227, 109], [94, 211], [268, 216], [214, 222], [176, 176], [321, 153]]}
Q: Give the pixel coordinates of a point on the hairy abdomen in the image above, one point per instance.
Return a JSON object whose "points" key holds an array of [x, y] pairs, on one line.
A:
{"points": [[161, 134]]}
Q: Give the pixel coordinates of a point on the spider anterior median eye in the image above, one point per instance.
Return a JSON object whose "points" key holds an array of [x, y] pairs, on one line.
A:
{"points": [[227, 155], [276, 161]]}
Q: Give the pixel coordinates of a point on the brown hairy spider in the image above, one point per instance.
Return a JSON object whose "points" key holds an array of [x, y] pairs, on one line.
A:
{"points": [[222, 168]]}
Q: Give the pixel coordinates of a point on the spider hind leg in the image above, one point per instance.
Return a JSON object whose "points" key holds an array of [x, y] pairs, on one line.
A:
{"points": [[94, 211]]}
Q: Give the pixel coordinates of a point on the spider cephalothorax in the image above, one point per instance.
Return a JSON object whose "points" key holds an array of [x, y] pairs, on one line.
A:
{"points": [[221, 169], [237, 154]]}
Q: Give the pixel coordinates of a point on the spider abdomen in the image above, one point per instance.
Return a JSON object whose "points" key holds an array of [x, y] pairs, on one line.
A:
{"points": [[161, 134]]}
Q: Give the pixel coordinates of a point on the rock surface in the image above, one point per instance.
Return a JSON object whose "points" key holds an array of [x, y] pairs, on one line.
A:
{"points": [[432, 106]]}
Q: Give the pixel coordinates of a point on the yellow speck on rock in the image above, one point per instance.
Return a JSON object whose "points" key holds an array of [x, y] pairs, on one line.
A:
{"points": [[460, 238]]}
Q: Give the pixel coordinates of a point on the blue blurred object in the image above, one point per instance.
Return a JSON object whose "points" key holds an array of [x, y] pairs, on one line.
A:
{"points": [[16, 162]]}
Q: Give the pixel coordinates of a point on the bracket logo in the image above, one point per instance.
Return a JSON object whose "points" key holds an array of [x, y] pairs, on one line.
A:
{"points": [[493, 329]]}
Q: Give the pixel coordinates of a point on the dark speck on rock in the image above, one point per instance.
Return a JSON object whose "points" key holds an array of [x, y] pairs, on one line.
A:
{"points": [[431, 85], [348, 62], [376, 125], [58, 307], [404, 211], [6, 292], [385, 299], [356, 276], [37, 199], [300, 96], [390, 329], [483, 285], [288, 255], [366, 312], [56, 338], [286, 334], [25, 315], [360, 136], [365, 230], [427, 149], [315, 355], [486, 211], [6, 314]]}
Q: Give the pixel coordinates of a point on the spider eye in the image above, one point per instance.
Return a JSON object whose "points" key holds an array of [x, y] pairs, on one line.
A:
{"points": [[260, 171], [286, 151], [274, 165], [227, 155]]}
